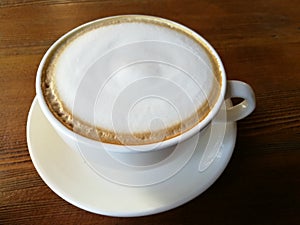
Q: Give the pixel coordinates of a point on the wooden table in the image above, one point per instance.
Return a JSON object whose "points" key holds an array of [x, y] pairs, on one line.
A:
{"points": [[258, 41]]}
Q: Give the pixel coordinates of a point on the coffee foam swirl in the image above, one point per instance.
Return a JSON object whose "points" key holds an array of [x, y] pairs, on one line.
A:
{"points": [[141, 86]]}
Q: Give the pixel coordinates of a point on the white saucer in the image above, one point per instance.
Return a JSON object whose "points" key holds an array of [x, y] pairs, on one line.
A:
{"points": [[69, 176]]}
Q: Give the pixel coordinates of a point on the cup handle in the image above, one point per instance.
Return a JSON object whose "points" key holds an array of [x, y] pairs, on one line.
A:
{"points": [[239, 89]]}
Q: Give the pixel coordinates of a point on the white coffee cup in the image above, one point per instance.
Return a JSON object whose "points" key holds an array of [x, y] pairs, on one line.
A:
{"points": [[146, 45]]}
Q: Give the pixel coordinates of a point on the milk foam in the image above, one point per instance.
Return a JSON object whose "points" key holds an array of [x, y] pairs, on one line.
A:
{"points": [[132, 83]]}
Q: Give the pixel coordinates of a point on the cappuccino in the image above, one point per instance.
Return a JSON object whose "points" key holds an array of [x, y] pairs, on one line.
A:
{"points": [[131, 80]]}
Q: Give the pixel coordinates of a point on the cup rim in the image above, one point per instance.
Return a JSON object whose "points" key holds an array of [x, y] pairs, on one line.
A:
{"points": [[141, 147]]}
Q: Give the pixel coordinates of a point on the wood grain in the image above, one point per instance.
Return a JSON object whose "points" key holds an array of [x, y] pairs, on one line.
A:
{"points": [[258, 41]]}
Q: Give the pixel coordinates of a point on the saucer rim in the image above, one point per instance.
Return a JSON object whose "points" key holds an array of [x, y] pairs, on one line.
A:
{"points": [[126, 213]]}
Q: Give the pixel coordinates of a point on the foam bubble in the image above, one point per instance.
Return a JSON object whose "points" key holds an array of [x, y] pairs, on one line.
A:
{"points": [[112, 83]]}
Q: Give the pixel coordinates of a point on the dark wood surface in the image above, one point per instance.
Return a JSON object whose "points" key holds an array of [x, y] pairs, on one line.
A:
{"points": [[258, 41]]}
